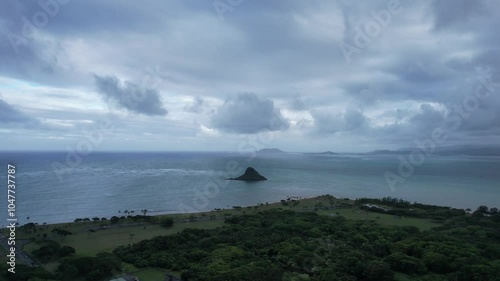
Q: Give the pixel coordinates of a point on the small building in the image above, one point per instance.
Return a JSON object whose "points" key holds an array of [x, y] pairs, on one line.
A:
{"points": [[369, 206]]}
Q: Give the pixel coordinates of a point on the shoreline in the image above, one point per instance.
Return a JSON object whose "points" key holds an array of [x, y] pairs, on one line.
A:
{"points": [[166, 214], [177, 216]]}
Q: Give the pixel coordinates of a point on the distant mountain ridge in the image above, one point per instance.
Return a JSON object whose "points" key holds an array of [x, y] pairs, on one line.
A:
{"points": [[322, 153], [270, 150], [468, 150]]}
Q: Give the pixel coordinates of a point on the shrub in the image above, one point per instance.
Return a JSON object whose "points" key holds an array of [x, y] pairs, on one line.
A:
{"points": [[166, 222]]}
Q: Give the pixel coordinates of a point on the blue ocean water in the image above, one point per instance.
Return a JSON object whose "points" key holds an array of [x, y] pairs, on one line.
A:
{"points": [[169, 182]]}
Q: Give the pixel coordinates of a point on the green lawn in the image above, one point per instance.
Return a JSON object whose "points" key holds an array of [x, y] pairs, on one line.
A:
{"points": [[357, 214], [109, 239], [150, 274]]}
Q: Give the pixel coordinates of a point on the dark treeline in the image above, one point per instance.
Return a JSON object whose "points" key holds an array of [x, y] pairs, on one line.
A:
{"points": [[100, 267]]}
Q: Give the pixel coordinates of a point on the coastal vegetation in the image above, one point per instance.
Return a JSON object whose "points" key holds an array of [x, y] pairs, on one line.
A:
{"points": [[322, 238]]}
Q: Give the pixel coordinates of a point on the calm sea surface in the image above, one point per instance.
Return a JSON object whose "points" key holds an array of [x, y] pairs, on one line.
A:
{"points": [[168, 182]]}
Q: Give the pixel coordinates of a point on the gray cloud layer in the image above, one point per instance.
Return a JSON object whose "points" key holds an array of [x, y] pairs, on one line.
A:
{"points": [[248, 114], [130, 96], [12, 117], [398, 88], [8, 114]]}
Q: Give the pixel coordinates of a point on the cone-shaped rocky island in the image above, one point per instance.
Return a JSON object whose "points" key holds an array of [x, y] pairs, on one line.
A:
{"points": [[250, 175]]}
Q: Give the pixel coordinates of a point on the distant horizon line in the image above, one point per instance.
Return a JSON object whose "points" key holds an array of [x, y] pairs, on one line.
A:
{"points": [[156, 151], [269, 150]]}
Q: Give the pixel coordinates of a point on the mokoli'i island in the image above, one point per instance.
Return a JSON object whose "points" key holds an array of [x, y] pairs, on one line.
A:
{"points": [[234, 140], [250, 175]]}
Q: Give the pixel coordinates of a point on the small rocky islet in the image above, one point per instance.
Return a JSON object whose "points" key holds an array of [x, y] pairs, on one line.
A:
{"points": [[250, 175]]}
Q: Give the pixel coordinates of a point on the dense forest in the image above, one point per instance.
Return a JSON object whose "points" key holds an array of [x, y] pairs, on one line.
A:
{"points": [[286, 245]]}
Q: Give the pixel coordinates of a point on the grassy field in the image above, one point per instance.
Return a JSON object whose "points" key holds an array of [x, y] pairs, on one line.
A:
{"points": [[87, 244], [150, 273], [107, 240], [385, 219]]}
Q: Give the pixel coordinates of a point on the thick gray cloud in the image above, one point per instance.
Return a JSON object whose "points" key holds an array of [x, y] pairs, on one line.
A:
{"points": [[297, 104], [130, 96], [351, 120], [452, 13], [196, 106], [10, 116], [248, 114]]}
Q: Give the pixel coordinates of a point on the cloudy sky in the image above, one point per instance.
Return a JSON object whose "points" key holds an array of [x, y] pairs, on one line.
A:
{"points": [[240, 74]]}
